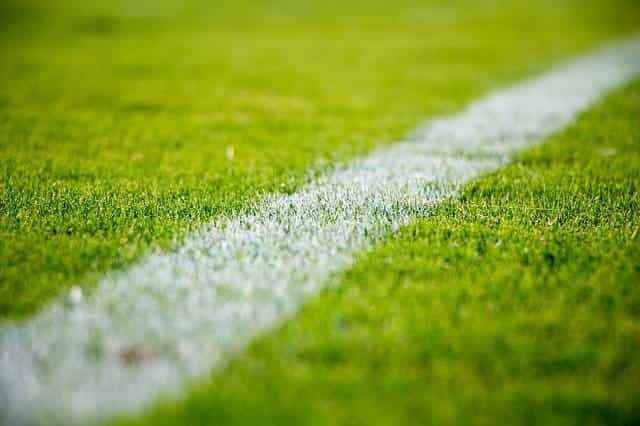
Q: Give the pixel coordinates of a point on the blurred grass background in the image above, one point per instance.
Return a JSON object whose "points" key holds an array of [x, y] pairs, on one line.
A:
{"points": [[124, 124]]}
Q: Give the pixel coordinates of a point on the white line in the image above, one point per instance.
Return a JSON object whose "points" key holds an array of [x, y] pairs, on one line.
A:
{"points": [[174, 316]]}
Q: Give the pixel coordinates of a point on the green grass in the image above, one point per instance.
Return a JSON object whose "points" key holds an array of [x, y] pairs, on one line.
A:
{"points": [[516, 303], [116, 116]]}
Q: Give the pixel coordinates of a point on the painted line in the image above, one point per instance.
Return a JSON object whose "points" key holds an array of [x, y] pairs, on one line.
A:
{"points": [[148, 330]]}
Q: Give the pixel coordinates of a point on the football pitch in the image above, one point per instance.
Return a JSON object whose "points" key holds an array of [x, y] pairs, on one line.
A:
{"points": [[297, 212]]}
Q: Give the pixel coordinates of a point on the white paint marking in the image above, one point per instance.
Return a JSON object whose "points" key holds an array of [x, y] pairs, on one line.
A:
{"points": [[146, 331]]}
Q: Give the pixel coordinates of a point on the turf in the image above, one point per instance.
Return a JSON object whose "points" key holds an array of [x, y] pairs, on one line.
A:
{"points": [[125, 124], [516, 301]]}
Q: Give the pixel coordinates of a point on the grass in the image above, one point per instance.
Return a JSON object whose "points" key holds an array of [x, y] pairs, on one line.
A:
{"points": [[516, 301], [125, 124]]}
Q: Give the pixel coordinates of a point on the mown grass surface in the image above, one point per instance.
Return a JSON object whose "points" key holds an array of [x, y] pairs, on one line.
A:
{"points": [[516, 303], [118, 118]]}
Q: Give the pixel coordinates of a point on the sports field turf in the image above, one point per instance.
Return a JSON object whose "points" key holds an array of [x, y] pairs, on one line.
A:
{"points": [[125, 125], [115, 124], [515, 304]]}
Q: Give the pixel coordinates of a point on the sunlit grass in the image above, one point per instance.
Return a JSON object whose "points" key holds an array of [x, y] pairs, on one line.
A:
{"points": [[116, 117], [515, 303]]}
